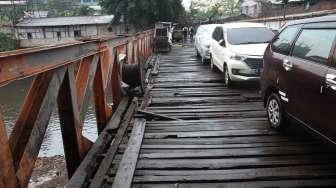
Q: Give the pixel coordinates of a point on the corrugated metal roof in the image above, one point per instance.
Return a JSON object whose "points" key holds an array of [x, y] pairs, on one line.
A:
{"points": [[13, 2], [62, 21]]}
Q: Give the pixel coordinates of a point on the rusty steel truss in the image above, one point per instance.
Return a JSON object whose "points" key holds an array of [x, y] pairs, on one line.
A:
{"points": [[66, 75]]}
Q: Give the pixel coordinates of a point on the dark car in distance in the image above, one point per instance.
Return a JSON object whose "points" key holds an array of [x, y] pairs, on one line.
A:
{"points": [[299, 77]]}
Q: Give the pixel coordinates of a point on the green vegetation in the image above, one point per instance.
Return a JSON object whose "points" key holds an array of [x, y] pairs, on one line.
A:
{"points": [[10, 15], [144, 13], [58, 8], [213, 9], [6, 43]]}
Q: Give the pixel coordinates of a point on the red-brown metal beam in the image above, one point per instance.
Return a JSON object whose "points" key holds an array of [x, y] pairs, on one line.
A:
{"points": [[27, 148], [54, 69], [70, 122], [103, 111], [29, 62], [7, 173]]}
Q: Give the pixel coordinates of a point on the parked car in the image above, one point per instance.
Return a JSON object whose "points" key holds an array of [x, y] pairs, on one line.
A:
{"points": [[237, 50], [202, 41], [299, 77], [177, 34], [162, 39]]}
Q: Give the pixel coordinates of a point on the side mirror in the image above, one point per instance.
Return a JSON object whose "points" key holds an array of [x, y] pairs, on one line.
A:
{"points": [[222, 42]]}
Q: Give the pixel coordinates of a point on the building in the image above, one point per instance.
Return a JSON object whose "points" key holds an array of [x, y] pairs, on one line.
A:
{"points": [[11, 3], [50, 31], [251, 8], [268, 8], [90, 2]]}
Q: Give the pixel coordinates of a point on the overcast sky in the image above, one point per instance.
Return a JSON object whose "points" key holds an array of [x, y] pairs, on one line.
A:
{"points": [[186, 3]]}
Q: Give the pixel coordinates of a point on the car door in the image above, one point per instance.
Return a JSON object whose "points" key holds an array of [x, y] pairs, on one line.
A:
{"points": [[310, 63], [215, 47], [328, 118], [221, 49], [280, 48], [197, 38]]}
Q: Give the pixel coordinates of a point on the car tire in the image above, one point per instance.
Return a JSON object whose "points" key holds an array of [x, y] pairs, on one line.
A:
{"points": [[227, 79], [275, 113]]}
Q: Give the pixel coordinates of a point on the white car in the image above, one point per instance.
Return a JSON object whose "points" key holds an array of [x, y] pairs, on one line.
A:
{"points": [[202, 41], [237, 50]]}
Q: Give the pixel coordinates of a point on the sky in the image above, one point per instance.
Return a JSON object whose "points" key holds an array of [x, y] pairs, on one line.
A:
{"points": [[186, 3]]}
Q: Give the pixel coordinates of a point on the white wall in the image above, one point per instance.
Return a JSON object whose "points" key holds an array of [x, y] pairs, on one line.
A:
{"points": [[48, 35]]}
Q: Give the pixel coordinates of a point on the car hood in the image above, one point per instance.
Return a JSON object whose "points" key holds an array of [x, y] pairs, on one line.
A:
{"points": [[249, 49]]}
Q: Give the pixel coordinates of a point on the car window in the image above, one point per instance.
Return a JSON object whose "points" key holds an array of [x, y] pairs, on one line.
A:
{"points": [[284, 40], [221, 34], [314, 44], [249, 35], [161, 32], [215, 33]]}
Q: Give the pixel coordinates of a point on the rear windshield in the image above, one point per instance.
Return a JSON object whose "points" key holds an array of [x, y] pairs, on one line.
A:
{"points": [[249, 35], [161, 32]]}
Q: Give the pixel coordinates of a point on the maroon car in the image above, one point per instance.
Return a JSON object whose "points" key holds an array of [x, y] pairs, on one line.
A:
{"points": [[299, 77]]}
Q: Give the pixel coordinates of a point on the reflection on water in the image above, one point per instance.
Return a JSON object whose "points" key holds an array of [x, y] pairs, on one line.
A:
{"points": [[11, 100]]}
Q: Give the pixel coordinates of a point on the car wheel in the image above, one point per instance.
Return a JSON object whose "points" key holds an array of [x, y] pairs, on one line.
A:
{"points": [[227, 79], [275, 114]]}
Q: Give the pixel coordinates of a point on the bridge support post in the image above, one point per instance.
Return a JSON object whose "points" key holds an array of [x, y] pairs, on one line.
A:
{"points": [[70, 122]]}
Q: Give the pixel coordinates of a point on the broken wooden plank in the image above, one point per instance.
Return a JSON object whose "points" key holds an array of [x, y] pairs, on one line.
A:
{"points": [[107, 161], [88, 165], [158, 116], [124, 176]]}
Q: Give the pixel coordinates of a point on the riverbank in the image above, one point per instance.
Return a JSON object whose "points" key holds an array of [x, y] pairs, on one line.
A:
{"points": [[49, 172]]}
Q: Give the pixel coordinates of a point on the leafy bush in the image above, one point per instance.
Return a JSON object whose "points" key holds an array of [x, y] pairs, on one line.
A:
{"points": [[6, 43]]}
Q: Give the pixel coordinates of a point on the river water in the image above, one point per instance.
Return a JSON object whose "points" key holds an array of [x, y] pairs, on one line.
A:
{"points": [[11, 100]]}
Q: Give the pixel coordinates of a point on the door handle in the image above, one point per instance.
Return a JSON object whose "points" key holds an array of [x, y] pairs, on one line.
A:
{"points": [[331, 81], [287, 65]]}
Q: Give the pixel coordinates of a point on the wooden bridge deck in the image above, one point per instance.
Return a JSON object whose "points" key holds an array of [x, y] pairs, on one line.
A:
{"points": [[222, 139]]}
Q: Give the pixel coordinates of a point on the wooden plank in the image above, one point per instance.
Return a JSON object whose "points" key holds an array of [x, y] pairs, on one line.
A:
{"points": [[124, 176], [227, 140], [271, 183], [234, 152], [278, 173], [227, 146], [104, 166], [158, 116], [229, 133], [89, 163], [234, 163]]}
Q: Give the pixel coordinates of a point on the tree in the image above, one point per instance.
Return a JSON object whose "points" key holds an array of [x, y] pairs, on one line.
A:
{"points": [[213, 9], [143, 13], [58, 8], [84, 11], [7, 43]]}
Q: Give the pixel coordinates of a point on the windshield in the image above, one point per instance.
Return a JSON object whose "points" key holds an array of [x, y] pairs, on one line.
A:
{"points": [[252, 35]]}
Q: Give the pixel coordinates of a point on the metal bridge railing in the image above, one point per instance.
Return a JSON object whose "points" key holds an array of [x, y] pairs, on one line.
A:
{"points": [[66, 76]]}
